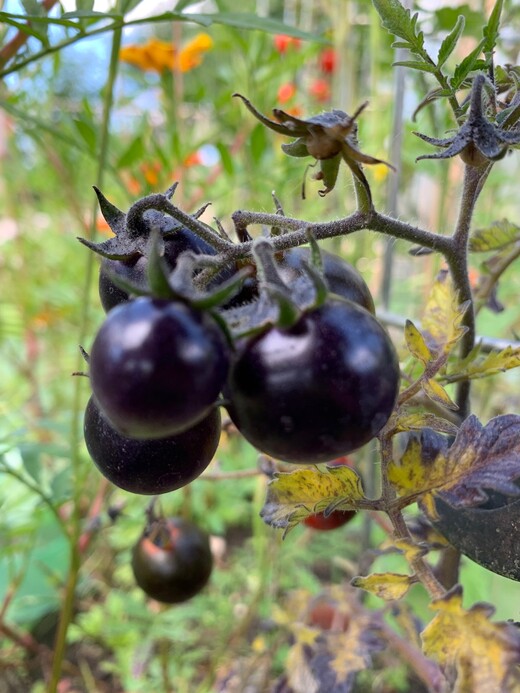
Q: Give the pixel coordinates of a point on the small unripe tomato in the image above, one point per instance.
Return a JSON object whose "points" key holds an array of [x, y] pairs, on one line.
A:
{"points": [[172, 560]]}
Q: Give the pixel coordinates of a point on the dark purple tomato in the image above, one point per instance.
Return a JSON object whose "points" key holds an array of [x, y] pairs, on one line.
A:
{"points": [[134, 270], [341, 277], [157, 367], [172, 560], [153, 466], [317, 390]]}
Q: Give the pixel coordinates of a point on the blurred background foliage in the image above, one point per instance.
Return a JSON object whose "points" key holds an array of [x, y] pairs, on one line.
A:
{"points": [[162, 111]]}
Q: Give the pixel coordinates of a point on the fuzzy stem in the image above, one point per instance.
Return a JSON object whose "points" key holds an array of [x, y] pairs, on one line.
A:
{"points": [[457, 259]]}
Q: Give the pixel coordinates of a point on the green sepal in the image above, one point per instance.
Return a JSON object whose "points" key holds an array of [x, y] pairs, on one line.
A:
{"points": [[288, 311], [298, 148], [281, 129], [222, 293], [329, 169], [113, 216], [117, 248], [157, 269]]}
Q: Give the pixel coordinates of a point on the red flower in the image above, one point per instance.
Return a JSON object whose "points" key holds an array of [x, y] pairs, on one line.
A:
{"points": [[328, 60], [282, 43], [286, 91], [320, 90]]}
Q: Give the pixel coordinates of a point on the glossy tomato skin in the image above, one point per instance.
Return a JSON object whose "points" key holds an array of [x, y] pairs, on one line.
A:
{"points": [[172, 560], [134, 270], [336, 519], [318, 390], [156, 367], [153, 466], [341, 277]]}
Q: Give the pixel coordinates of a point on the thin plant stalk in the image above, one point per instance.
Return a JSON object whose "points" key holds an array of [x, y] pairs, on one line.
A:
{"points": [[77, 475]]}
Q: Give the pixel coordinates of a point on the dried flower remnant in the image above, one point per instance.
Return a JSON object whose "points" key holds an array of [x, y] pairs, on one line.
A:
{"points": [[479, 140], [328, 137]]}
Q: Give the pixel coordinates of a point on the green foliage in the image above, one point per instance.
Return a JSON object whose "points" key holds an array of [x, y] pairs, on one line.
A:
{"points": [[67, 534]]}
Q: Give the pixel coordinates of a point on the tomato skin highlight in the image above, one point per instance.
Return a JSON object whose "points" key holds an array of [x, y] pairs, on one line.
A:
{"points": [[172, 561], [318, 390], [157, 367], [150, 467]]}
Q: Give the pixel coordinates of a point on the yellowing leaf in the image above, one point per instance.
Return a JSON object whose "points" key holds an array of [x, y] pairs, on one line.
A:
{"points": [[416, 421], [442, 320], [416, 343], [483, 654], [482, 457], [389, 586], [498, 235], [293, 496], [410, 549], [331, 661], [434, 391], [491, 364]]}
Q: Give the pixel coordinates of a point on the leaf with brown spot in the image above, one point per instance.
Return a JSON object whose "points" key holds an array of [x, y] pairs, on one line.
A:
{"points": [[293, 496], [481, 457], [482, 655], [388, 586]]}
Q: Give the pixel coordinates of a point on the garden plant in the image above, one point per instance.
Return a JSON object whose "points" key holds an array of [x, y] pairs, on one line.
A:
{"points": [[253, 451]]}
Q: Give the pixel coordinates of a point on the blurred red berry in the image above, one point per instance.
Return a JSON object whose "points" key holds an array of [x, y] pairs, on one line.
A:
{"points": [[320, 90], [327, 60], [282, 43], [286, 92]]}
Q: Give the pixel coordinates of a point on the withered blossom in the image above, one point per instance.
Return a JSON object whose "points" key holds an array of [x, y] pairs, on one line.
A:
{"points": [[327, 137], [479, 140]]}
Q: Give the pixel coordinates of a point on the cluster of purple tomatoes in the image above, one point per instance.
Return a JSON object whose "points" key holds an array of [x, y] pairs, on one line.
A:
{"points": [[161, 370]]}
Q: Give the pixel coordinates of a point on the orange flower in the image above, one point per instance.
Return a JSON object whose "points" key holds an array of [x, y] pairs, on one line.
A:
{"points": [[150, 172], [191, 55], [192, 159], [154, 55], [286, 92], [159, 56], [320, 89]]}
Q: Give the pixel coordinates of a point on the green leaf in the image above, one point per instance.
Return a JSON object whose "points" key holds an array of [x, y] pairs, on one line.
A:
{"points": [[134, 152], [399, 21], [450, 42], [416, 65], [490, 31], [87, 133], [500, 234], [246, 20], [226, 159], [470, 62]]}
